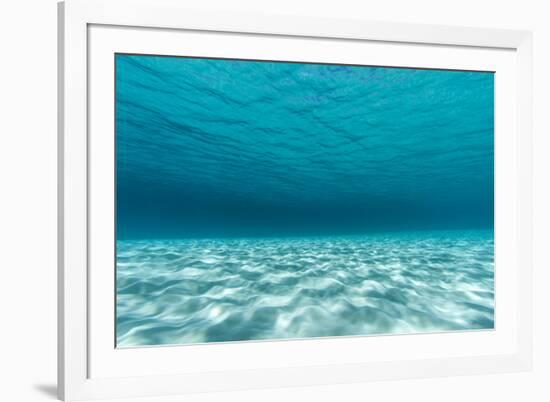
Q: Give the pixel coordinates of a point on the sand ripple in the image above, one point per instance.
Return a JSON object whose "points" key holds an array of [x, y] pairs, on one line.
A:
{"points": [[192, 291]]}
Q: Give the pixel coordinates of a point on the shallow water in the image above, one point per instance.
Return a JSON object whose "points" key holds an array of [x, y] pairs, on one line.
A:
{"points": [[308, 199], [191, 291]]}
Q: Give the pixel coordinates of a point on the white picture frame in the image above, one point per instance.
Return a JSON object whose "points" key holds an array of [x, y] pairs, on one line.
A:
{"points": [[89, 367]]}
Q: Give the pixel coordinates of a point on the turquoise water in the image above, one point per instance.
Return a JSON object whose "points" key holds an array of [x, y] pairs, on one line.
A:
{"points": [[190, 291], [269, 200]]}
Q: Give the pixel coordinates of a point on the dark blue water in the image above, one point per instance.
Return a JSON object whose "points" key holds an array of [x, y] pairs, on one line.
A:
{"points": [[266, 200], [210, 148]]}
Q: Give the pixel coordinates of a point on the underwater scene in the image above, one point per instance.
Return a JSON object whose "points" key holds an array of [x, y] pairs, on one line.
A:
{"points": [[270, 200]]}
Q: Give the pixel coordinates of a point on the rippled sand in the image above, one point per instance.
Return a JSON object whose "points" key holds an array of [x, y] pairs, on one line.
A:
{"points": [[194, 291]]}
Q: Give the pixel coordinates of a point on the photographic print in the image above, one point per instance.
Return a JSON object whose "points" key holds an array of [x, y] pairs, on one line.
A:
{"points": [[270, 200]]}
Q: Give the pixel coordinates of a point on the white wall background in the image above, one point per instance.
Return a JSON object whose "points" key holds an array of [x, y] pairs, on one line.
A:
{"points": [[28, 198]]}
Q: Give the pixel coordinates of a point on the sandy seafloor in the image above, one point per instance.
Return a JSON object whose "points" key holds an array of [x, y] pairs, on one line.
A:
{"points": [[218, 290]]}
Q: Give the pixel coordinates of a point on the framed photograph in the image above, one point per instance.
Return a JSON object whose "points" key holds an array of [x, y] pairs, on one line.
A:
{"points": [[252, 201]]}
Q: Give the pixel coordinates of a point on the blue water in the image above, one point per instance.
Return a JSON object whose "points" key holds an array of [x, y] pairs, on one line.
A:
{"points": [[268, 200]]}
